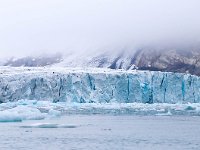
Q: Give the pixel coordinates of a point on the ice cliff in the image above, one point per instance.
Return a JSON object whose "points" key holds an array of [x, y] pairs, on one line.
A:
{"points": [[97, 85]]}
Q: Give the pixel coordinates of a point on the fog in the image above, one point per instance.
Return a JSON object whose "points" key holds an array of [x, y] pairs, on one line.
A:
{"points": [[31, 27]]}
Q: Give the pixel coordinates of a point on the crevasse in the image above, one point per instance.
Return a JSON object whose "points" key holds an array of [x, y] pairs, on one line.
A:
{"points": [[97, 85]]}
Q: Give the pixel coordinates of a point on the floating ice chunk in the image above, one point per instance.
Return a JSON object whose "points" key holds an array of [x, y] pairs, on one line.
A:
{"points": [[7, 116], [20, 113], [48, 125], [190, 108], [168, 113], [54, 113]]}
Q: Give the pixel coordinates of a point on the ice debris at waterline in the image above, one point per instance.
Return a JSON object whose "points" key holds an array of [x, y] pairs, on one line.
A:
{"points": [[36, 110], [97, 85]]}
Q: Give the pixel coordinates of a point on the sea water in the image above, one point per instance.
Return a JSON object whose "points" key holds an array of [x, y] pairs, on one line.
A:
{"points": [[103, 132]]}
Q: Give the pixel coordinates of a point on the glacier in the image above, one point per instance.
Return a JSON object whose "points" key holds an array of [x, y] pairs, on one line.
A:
{"points": [[91, 85]]}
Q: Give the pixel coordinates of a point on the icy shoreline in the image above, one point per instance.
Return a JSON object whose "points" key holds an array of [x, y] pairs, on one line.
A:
{"points": [[37, 110]]}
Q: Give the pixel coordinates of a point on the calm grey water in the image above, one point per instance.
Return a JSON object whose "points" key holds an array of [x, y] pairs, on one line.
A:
{"points": [[103, 132]]}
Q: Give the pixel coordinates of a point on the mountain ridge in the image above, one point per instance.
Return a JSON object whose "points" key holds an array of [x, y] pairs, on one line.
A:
{"points": [[170, 60]]}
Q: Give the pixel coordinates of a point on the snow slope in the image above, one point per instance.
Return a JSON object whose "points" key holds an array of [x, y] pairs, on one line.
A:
{"points": [[97, 85]]}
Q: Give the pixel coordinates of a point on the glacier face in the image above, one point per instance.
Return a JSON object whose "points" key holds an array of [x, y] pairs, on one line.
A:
{"points": [[97, 86]]}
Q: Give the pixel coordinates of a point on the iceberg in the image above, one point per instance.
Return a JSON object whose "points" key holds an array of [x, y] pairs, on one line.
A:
{"points": [[48, 125], [97, 86], [19, 113]]}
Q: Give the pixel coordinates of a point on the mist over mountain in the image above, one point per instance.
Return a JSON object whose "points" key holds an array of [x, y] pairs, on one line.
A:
{"points": [[132, 34], [154, 59], [31, 27], [33, 61]]}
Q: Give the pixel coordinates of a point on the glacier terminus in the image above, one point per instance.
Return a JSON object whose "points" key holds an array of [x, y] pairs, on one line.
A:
{"points": [[97, 85]]}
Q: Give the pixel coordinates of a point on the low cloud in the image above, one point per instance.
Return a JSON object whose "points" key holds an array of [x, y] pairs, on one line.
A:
{"points": [[49, 26]]}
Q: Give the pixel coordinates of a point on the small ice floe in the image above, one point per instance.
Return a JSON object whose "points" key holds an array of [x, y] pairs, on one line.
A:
{"points": [[168, 113], [48, 125], [190, 108], [19, 113], [54, 113]]}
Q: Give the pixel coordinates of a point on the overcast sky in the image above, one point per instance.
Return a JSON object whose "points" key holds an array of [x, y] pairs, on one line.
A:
{"points": [[37, 26]]}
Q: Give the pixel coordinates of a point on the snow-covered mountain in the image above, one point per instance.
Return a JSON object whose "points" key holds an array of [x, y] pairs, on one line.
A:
{"points": [[170, 60], [33, 61]]}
